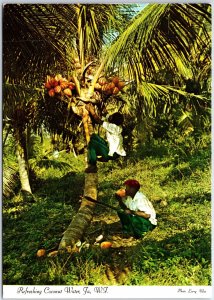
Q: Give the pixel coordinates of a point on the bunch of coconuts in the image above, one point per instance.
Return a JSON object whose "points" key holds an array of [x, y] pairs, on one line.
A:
{"points": [[59, 85], [111, 86]]}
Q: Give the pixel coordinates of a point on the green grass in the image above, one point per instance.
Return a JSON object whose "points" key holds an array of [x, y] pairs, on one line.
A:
{"points": [[177, 252]]}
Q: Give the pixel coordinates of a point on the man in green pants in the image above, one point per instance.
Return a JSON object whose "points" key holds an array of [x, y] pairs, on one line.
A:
{"points": [[138, 215], [110, 149]]}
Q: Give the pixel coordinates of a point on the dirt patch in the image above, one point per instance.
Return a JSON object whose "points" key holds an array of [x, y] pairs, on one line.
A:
{"points": [[109, 228]]}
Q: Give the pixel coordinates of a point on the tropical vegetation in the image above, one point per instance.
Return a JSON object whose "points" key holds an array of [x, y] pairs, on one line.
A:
{"points": [[154, 66]]}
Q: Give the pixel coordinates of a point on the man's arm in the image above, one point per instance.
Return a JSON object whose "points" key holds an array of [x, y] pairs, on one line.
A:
{"points": [[141, 208], [139, 213], [91, 110], [122, 204]]}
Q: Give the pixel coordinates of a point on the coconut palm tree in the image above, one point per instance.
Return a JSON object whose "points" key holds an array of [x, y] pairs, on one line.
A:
{"points": [[41, 40], [144, 46], [22, 48], [71, 38]]}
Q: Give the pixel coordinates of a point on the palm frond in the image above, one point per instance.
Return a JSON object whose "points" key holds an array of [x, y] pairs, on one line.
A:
{"points": [[154, 91], [18, 94], [33, 145], [185, 116], [51, 163], [158, 29], [40, 36], [150, 94], [10, 178]]}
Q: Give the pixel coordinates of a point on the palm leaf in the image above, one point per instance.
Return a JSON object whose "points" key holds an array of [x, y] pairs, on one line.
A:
{"points": [[10, 178], [44, 35], [18, 95], [154, 90], [185, 116], [149, 94], [50, 163], [147, 38]]}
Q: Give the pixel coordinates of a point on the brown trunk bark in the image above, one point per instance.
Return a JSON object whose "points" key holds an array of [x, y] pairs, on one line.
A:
{"points": [[82, 219], [84, 215]]}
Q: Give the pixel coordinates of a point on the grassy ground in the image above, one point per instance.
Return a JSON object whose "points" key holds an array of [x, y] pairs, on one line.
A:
{"points": [[177, 252]]}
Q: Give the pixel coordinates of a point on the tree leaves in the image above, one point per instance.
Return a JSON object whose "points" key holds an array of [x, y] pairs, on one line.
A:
{"points": [[158, 35], [43, 38]]}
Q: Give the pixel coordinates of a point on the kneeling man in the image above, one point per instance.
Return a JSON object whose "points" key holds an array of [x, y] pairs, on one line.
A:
{"points": [[138, 215]]}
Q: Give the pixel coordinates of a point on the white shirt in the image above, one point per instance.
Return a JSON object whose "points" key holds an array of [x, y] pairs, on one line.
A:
{"points": [[141, 203], [114, 138]]}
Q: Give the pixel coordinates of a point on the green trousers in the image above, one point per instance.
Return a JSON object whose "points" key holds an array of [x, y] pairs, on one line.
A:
{"points": [[98, 147], [134, 225]]}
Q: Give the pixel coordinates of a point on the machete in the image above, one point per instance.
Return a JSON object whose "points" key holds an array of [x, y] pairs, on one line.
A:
{"points": [[101, 203]]}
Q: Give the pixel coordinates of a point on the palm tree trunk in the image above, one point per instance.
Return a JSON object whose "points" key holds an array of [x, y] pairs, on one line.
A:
{"points": [[21, 154], [82, 219]]}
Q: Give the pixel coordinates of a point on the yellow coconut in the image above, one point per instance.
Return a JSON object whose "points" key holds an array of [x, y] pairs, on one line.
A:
{"points": [[53, 82], [102, 81], [67, 92], [105, 87], [71, 85], [63, 84], [111, 85], [105, 245], [97, 86], [40, 252], [57, 89], [115, 91], [51, 93], [76, 60], [47, 85], [58, 77], [121, 85], [78, 65], [115, 80]]}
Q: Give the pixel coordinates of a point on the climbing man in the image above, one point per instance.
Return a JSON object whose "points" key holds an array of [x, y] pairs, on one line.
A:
{"points": [[110, 149], [138, 215]]}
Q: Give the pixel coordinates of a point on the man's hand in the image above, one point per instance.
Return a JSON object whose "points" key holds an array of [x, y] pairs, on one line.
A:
{"points": [[117, 197], [90, 108], [137, 213]]}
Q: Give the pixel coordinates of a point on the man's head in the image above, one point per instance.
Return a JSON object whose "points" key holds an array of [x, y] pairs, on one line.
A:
{"points": [[116, 118], [132, 187]]}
